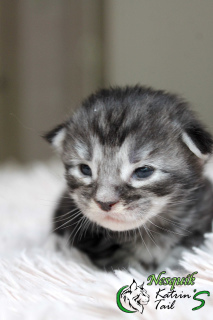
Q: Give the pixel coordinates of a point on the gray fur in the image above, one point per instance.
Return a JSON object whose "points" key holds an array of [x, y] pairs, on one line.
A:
{"points": [[112, 132]]}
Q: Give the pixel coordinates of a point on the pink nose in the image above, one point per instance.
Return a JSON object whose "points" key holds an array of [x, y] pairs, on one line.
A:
{"points": [[106, 206]]}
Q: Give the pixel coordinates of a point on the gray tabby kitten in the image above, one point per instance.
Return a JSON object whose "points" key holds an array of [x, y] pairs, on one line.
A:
{"points": [[134, 160]]}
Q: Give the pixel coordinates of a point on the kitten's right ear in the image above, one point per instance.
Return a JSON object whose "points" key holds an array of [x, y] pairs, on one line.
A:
{"points": [[56, 137], [198, 140]]}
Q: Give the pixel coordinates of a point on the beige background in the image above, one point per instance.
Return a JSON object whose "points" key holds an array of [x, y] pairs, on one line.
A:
{"points": [[167, 44], [54, 53], [51, 57]]}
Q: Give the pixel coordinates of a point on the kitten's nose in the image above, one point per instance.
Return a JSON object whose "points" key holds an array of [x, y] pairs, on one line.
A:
{"points": [[106, 206]]}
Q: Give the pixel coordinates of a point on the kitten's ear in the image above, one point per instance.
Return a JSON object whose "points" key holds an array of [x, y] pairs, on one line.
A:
{"points": [[198, 140], [56, 136]]}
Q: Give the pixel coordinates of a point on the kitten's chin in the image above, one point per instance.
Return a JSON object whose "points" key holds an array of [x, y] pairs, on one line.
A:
{"points": [[118, 225]]}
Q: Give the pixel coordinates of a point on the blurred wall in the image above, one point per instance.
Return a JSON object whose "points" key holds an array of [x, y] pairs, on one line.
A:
{"points": [[167, 44], [51, 58], [54, 53]]}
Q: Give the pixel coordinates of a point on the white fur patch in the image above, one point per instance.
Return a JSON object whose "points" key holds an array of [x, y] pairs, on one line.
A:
{"points": [[75, 172], [81, 149], [58, 139], [190, 144], [97, 157], [116, 219], [122, 157], [119, 219]]}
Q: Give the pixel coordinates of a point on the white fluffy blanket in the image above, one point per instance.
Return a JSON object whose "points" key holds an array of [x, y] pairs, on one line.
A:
{"points": [[39, 282]]}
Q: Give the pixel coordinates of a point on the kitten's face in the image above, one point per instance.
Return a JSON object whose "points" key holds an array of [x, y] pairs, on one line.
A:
{"points": [[113, 191], [127, 159]]}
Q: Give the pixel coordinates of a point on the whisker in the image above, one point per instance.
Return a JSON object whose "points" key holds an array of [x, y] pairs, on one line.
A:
{"points": [[81, 222], [70, 218], [76, 215], [153, 231], [179, 225], [145, 243], [181, 234], [85, 225], [151, 236], [63, 215], [69, 225], [71, 233]]}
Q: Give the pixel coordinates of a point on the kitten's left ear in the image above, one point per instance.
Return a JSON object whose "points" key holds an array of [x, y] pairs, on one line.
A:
{"points": [[198, 140], [56, 136]]}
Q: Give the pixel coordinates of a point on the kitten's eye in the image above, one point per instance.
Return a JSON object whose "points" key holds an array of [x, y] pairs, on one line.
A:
{"points": [[143, 172], [85, 169]]}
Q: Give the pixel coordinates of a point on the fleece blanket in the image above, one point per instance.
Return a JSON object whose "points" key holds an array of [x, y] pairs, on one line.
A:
{"points": [[39, 280]]}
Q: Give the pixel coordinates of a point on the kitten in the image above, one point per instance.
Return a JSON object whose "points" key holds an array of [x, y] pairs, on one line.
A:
{"points": [[134, 160]]}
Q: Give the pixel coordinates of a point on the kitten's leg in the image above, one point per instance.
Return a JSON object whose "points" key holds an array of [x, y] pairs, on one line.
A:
{"points": [[173, 259]]}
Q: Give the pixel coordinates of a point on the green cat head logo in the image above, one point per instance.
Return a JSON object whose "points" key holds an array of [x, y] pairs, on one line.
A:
{"points": [[132, 298]]}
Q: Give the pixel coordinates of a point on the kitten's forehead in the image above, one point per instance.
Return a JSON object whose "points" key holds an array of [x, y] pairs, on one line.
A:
{"points": [[113, 123], [111, 158]]}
